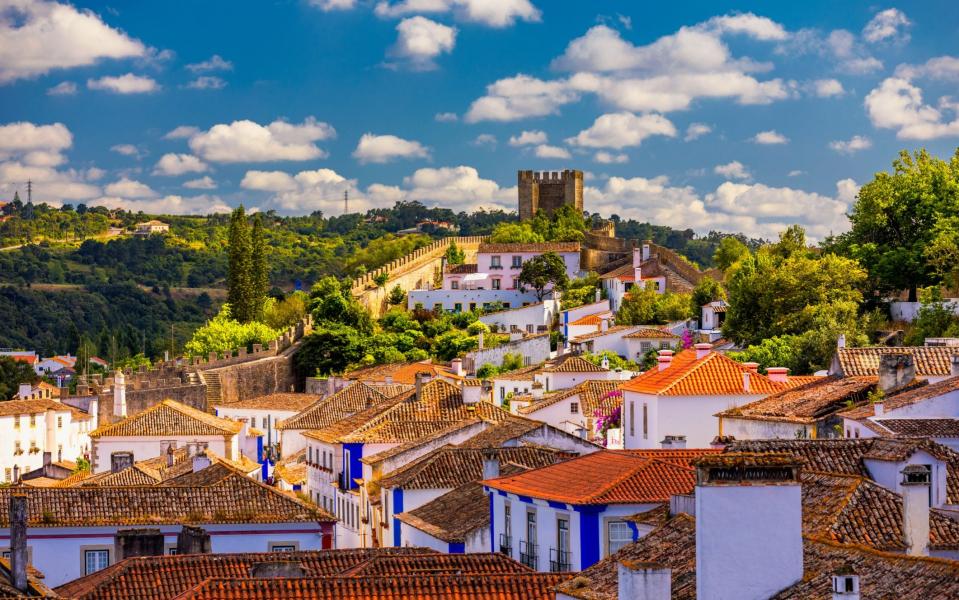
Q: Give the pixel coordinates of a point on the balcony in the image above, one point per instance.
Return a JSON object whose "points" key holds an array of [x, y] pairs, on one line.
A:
{"points": [[342, 483], [559, 561], [528, 555], [506, 544]]}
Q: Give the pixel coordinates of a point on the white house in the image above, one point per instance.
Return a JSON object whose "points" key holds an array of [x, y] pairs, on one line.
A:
{"points": [[532, 318], [932, 363], [265, 413], [504, 262], [151, 227], [641, 341], [76, 531], [682, 395], [927, 411], [456, 522], [566, 517], [148, 434], [613, 338], [712, 316], [573, 409], [30, 428], [584, 319]]}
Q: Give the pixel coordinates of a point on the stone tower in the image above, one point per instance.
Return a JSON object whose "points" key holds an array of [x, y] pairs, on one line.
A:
{"points": [[548, 191]]}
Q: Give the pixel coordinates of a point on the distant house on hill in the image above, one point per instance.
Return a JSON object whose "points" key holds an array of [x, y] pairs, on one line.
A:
{"points": [[151, 227]]}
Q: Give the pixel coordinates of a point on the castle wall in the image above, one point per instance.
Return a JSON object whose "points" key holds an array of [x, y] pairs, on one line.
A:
{"points": [[548, 191], [259, 378]]}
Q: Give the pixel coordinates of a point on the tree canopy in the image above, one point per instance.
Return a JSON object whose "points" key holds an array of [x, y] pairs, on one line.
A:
{"points": [[542, 271], [12, 374]]}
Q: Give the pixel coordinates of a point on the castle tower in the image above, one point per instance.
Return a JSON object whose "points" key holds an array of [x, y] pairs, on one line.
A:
{"points": [[548, 191]]}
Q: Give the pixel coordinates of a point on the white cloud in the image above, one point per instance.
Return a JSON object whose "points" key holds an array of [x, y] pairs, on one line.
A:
{"points": [[124, 84], [268, 181], [203, 183], [795, 173], [419, 41], [385, 148], [897, 104], [696, 130], [851, 56], [494, 13], [770, 137], [945, 68], [760, 28], [827, 88], [43, 158], [37, 37], [24, 136], [179, 164], [756, 210], [458, 188], [182, 132], [733, 170], [126, 150], [485, 139], [528, 138], [329, 5], [307, 191], [215, 63], [128, 188], [64, 88], [520, 97], [607, 158], [547, 151], [207, 82], [167, 205], [247, 141], [851, 146], [446, 117], [620, 130], [889, 24]]}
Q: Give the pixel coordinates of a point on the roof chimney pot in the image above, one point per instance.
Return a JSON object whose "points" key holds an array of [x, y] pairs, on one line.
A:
{"points": [[18, 541]]}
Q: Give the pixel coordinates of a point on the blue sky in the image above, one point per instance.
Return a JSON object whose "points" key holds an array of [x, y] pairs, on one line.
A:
{"points": [[745, 117]]}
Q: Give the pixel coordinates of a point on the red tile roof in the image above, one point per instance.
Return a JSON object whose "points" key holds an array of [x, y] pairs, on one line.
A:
{"points": [[908, 397], [651, 332], [714, 374], [169, 418], [930, 360], [604, 477], [806, 403], [492, 248]]}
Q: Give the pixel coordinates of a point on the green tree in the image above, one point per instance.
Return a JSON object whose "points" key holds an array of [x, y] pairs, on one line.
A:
{"points": [[515, 233], [942, 253], [397, 296], [240, 285], [729, 252], [582, 291], [778, 351], [331, 302], [280, 314], [454, 254], [12, 374], [896, 217], [646, 306], [565, 225], [542, 271], [380, 279], [934, 319], [328, 350], [224, 333], [791, 241], [706, 291], [260, 275]]}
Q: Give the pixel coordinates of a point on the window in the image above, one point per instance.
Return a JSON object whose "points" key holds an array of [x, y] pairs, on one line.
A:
{"points": [[455, 284], [574, 408], [59, 422], [632, 418], [310, 453], [559, 561], [664, 345], [33, 421], [496, 284], [16, 421], [531, 527], [266, 422], [617, 536], [95, 560], [494, 262], [458, 307], [438, 307], [645, 347], [645, 421], [7, 474], [507, 519], [282, 546], [517, 262]]}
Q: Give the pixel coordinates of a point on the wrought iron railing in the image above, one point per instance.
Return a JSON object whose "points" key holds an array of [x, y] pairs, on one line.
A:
{"points": [[528, 555], [506, 544], [559, 560]]}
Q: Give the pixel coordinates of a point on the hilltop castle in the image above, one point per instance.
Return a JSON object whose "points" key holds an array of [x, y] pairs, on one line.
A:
{"points": [[548, 191]]}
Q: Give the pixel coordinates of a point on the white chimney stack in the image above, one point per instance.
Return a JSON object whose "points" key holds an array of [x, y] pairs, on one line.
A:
{"points": [[537, 392], [457, 366], [749, 543], [490, 464], [604, 324], [879, 409], [200, 462], [703, 350], [746, 381], [598, 296], [664, 359], [779, 374], [841, 341], [472, 394], [915, 509], [643, 581], [119, 394], [25, 390], [605, 362]]}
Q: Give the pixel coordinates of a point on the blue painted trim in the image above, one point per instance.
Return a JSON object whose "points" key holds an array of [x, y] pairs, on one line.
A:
{"points": [[633, 529], [557, 505], [492, 524], [397, 509], [502, 493], [457, 548], [297, 487], [589, 535], [525, 499], [355, 450], [259, 449]]}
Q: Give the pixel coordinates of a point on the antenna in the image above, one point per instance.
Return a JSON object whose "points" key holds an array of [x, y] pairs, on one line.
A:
{"points": [[346, 201], [29, 192]]}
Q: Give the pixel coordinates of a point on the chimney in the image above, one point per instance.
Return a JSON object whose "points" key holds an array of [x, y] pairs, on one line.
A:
{"points": [[845, 584], [201, 461], [748, 510], [702, 350], [537, 392], [604, 363], [490, 464], [169, 455], [955, 366], [604, 324], [647, 249], [895, 371], [598, 296], [479, 340], [192, 540], [472, 394], [779, 374], [388, 379], [120, 461], [137, 542], [746, 381], [752, 366], [664, 361], [915, 509], [275, 569], [643, 581], [457, 365], [419, 384], [119, 394], [879, 409], [841, 341], [637, 257], [674, 442], [25, 391], [18, 541], [47, 458]]}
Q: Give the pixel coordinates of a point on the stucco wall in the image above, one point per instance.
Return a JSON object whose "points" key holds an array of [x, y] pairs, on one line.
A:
{"points": [[534, 349], [450, 298]]}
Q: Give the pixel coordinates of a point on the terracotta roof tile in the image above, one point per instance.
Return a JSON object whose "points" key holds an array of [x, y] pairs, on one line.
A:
{"points": [[404, 373], [591, 395], [169, 418], [521, 374], [604, 477], [807, 403], [453, 516], [491, 248], [452, 466], [590, 319], [463, 269], [571, 363], [714, 374], [165, 577], [10, 408], [394, 564], [614, 330], [278, 401], [905, 398], [946, 427], [35, 589], [651, 332], [930, 360], [235, 499], [353, 399]]}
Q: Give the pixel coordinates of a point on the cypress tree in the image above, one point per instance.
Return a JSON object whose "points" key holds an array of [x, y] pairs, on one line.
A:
{"points": [[261, 270], [239, 275]]}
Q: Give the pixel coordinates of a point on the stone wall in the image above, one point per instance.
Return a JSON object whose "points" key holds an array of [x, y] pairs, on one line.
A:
{"points": [[534, 349], [138, 400], [258, 378]]}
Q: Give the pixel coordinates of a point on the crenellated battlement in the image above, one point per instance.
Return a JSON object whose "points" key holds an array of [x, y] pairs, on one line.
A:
{"points": [[548, 177], [548, 191]]}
